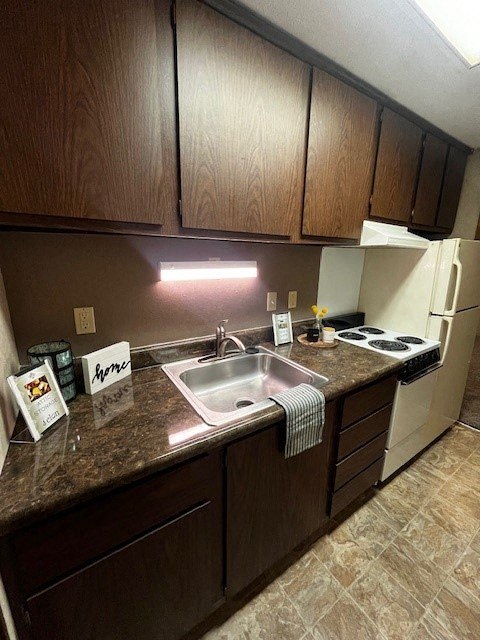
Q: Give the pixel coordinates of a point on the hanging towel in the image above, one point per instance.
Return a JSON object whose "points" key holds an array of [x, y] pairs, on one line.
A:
{"points": [[304, 407]]}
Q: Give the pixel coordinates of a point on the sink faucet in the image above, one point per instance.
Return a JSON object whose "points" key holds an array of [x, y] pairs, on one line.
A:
{"points": [[223, 340]]}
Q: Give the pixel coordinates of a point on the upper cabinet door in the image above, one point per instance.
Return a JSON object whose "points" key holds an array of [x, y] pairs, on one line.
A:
{"points": [[341, 158], [243, 107], [396, 170], [430, 181], [87, 109], [452, 188]]}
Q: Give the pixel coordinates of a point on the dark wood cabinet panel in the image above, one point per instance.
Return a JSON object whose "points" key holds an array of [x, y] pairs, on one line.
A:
{"points": [[274, 504], [361, 483], [340, 160], [430, 181], [243, 115], [360, 460], [363, 431], [87, 109], [452, 188], [396, 169], [364, 402], [159, 586]]}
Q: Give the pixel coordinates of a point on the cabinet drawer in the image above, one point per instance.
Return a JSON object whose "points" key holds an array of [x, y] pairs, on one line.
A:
{"points": [[366, 401], [362, 432], [62, 544], [347, 494], [360, 460]]}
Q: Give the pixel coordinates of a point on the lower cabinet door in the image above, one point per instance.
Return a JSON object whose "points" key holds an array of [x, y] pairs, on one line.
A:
{"points": [[273, 504], [155, 588]]}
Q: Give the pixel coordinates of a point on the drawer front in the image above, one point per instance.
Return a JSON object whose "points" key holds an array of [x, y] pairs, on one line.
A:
{"points": [[360, 460], [362, 432], [61, 544], [367, 401], [347, 494]]}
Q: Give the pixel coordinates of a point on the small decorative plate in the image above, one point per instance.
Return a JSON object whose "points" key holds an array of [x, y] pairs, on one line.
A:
{"points": [[317, 345]]}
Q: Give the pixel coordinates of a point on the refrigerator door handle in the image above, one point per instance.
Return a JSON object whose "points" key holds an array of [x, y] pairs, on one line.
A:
{"points": [[458, 283], [449, 321]]}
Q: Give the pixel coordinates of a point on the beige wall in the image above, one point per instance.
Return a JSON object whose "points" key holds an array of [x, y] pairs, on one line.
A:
{"points": [[8, 365], [469, 205], [48, 274]]}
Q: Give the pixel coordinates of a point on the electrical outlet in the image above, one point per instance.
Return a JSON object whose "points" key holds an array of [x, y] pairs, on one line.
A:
{"points": [[271, 301], [84, 320], [292, 299]]}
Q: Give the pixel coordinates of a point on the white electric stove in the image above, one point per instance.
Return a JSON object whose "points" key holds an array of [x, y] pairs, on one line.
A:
{"points": [[414, 394]]}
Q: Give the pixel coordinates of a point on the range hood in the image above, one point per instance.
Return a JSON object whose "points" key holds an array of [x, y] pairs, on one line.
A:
{"points": [[379, 234]]}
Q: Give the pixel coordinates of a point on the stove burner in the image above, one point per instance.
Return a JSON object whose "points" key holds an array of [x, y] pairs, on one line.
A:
{"points": [[388, 345], [372, 330], [351, 335], [410, 340]]}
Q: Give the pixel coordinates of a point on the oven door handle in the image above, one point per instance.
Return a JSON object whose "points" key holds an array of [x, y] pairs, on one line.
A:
{"points": [[422, 374]]}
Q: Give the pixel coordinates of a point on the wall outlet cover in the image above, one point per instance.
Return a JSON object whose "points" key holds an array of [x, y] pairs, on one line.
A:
{"points": [[271, 301], [84, 320], [292, 299]]}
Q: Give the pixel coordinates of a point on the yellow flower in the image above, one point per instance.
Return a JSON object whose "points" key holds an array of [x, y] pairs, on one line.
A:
{"points": [[324, 310], [315, 309]]}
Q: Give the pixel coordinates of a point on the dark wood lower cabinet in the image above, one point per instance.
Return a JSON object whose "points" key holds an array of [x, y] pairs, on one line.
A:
{"points": [[156, 588], [274, 504]]}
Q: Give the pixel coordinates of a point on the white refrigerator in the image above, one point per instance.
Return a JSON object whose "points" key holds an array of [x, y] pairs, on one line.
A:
{"points": [[433, 294]]}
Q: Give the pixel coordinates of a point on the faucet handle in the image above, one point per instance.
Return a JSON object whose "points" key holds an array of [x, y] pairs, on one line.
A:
{"points": [[221, 328]]}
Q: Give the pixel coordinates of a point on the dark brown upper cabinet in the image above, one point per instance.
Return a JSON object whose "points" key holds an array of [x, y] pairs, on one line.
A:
{"points": [[452, 188], [430, 182], [396, 169], [341, 158], [243, 107], [87, 109]]}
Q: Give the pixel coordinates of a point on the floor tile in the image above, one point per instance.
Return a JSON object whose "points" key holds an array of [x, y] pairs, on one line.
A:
{"points": [[346, 620], [397, 503], [460, 435], [467, 572], [446, 457], [457, 611], [468, 473], [475, 458], [428, 478], [434, 542], [386, 603], [419, 576], [463, 495], [475, 543], [270, 615], [311, 588], [431, 629], [348, 550], [451, 517]]}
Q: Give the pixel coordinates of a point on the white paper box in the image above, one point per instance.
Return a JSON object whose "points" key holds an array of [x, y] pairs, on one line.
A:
{"points": [[106, 366]]}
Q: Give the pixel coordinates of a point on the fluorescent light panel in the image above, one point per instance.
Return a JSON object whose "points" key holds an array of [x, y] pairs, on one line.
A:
{"points": [[458, 21], [208, 270]]}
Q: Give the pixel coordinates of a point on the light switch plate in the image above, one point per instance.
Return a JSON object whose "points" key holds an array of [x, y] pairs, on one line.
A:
{"points": [[84, 320], [292, 299], [271, 301]]}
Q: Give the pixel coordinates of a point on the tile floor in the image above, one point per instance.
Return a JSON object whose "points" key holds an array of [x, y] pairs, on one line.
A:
{"points": [[405, 566]]}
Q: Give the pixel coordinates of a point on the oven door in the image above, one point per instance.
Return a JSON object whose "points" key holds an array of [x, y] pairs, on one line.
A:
{"points": [[411, 406]]}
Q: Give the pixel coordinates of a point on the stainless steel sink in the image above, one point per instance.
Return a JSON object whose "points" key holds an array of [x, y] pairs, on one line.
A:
{"points": [[224, 390]]}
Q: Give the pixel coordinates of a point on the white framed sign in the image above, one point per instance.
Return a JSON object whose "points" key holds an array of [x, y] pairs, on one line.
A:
{"points": [[104, 367], [39, 398], [282, 328]]}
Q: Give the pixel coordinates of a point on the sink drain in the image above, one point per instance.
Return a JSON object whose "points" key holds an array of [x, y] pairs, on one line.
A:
{"points": [[243, 402]]}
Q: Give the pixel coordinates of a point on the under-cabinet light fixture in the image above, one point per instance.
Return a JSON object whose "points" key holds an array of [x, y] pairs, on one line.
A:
{"points": [[208, 270], [457, 21]]}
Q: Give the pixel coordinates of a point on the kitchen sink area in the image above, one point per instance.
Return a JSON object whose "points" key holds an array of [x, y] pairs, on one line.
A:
{"points": [[227, 389]]}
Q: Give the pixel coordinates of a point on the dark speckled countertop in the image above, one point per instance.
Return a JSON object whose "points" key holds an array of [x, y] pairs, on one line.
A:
{"points": [[140, 426]]}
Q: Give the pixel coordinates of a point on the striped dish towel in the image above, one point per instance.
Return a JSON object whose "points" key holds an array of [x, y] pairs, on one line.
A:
{"points": [[304, 407]]}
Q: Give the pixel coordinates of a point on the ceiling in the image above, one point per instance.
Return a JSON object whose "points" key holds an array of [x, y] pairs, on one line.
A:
{"points": [[389, 45]]}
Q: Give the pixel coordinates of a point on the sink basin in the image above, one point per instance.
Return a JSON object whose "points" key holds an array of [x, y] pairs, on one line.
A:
{"points": [[224, 390]]}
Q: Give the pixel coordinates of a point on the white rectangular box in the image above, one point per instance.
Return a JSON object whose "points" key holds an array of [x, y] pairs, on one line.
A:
{"points": [[104, 367]]}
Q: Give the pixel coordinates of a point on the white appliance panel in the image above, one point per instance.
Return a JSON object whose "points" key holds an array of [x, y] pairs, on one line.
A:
{"points": [[457, 285], [457, 334], [405, 450], [411, 407], [397, 286]]}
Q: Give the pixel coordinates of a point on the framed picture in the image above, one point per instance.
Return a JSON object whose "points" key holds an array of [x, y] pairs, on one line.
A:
{"points": [[39, 398], [282, 328]]}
